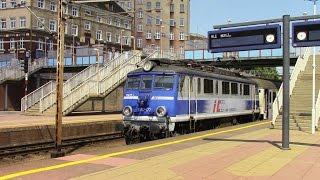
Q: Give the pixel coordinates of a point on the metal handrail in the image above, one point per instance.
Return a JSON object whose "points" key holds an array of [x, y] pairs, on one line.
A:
{"points": [[299, 67]]}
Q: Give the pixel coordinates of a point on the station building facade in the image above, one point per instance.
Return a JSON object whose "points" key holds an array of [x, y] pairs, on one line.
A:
{"points": [[90, 25], [160, 24]]}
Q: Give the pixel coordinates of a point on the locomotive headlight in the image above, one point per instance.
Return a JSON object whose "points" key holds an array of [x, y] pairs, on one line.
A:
{"points": [[270, 38], [161, 111], [301, 36], [127, 111], [148, 66]]}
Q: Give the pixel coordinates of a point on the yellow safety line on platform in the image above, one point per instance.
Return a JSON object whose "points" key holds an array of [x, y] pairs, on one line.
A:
{"points": [[23, 173]]}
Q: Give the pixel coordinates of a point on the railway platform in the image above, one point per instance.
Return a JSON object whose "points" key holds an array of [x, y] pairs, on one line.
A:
{"points": [[247, 151], [17, 129]]}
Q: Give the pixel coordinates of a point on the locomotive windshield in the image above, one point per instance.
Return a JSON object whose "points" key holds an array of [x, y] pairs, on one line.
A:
{"points": [[146, 83], [150, 82], [163, 82], [133, 82]]}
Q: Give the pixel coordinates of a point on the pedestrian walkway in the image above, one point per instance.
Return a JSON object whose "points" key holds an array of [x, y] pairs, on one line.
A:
{"points": [[240, 152]]}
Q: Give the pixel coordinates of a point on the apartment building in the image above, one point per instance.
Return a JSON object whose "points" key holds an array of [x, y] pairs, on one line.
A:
{"points": [[160, 24], [103, 24]]}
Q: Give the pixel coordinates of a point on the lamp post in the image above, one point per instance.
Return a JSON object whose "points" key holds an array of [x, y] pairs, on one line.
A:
{"points": [[313, 124]]}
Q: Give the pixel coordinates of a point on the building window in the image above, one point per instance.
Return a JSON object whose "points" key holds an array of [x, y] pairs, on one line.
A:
{"points": [[99, 19], [3, 24], [13, 3], [117, 38], [21, 43], [171, 49], [126, 40], [3, 4], [157, 35], [158, 5], [12, 22], [1, 44], [181, 50], [139, 43], [181, 21], [149, 5], [75, 11], [158, 20], [50, 45], [109, 37], [40, 23], [149, 20], [129, 5], [99, 35], [126, 25], [181, 8], [171, 36], [52, 25], [87, 25], [171, 7], [118, 23], [148, 35], [74, 30], [181, 37], [140, 14], [12, 43], [88, 12], [140, 1], [53, 6], [40, 4], [172, 22], [40, 44], [140, 28], [109, 21], [23, 22]]}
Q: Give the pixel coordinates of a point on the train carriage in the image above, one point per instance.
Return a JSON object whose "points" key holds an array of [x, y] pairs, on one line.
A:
{"points": [[164, 99]]}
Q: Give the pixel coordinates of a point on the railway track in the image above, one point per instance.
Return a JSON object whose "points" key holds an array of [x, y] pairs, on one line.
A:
{"points": [[46, 146]]}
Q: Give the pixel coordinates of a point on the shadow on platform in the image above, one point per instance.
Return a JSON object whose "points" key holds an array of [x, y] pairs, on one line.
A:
{"points": [[277, 144]]}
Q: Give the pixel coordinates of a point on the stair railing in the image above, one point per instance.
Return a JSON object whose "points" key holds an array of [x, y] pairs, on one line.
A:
{"points": [[298, 68]]}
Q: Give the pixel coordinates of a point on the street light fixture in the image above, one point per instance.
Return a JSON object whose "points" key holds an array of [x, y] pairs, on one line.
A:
{"points": [[313, 124]]}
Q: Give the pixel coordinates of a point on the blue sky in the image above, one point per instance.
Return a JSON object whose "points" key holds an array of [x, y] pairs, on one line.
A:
{"points": [[206, 13]]}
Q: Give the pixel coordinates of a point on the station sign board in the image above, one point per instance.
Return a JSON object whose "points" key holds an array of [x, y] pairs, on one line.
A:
{"points": [[246, 38], [305, 34]]}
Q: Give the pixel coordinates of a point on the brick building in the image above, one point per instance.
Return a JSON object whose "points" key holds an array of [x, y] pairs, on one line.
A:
{"points": [[160, 24], [91, 24]]}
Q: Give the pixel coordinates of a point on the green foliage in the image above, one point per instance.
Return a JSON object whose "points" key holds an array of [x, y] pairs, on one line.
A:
{"points": [[267, 72]]}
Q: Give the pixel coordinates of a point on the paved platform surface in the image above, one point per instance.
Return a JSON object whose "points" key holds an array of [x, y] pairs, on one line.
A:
{"points": [[17, 119], [248, 151]]}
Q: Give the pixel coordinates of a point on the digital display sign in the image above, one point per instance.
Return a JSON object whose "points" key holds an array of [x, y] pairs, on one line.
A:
{"points": [[247, 38], [306, 34]]}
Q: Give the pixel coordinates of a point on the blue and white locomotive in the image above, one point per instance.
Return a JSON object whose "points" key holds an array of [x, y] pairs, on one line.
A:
{"points": [[162, 99]]}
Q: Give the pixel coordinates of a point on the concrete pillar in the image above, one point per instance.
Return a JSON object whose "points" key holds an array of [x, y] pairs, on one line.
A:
{"points": [[92, 105], [103, 105], [6, 97], [38, 81]]}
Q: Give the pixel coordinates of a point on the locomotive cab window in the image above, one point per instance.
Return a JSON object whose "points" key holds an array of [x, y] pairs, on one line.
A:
{"points": [[217, 87], [208, 86], [246, 90], [146, 83], [225, 87], [133, 82], [199, 86], [163, 82], [234, 88]]}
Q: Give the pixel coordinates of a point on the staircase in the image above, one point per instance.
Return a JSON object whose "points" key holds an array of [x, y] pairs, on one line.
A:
{"points": [[300, 95], [94, 82]]}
